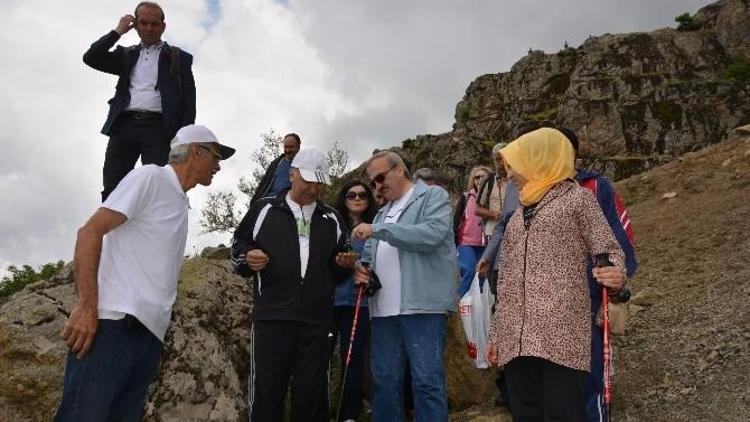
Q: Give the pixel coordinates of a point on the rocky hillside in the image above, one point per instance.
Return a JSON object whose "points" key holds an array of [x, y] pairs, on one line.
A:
{"points": [[203, 375], [636, 100]]}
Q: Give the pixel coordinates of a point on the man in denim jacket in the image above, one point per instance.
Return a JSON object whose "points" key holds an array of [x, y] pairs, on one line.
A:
{"points": [[410, 248]]}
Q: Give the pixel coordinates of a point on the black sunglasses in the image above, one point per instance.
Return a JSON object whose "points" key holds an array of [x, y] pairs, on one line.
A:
{"points": [[380, 177], [354, 195]]}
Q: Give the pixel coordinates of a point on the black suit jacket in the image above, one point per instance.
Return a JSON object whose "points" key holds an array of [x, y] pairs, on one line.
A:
{"points": [[176, 84]]}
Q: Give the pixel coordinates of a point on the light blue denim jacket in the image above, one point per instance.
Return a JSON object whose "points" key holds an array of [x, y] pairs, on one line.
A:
{"points": [[423, 236]]}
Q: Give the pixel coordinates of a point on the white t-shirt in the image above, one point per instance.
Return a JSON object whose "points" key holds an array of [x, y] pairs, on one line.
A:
{"points": [[387, 301], [303, 215], [141, 259]]}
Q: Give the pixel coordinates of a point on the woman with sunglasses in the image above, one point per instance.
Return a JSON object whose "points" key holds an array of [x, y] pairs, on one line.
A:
{"points": [[356, 204], [541, 331], [467, 229]]}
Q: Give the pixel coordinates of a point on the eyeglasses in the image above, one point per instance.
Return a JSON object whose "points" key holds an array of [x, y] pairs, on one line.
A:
{"points": [[479, 176], [380, 177], [216, 155], [354, 195]]}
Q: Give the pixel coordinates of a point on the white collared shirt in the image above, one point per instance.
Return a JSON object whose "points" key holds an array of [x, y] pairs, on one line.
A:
{"points": [[303, 215], [143, 93]]}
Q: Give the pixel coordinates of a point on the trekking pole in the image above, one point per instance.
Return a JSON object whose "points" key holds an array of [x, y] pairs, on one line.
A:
{"points": [[602, 260], [348, 360], [607, 356]]}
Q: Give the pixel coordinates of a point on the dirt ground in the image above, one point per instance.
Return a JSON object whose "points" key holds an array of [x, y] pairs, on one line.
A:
{"points": [[685, 356], [686, 353]]}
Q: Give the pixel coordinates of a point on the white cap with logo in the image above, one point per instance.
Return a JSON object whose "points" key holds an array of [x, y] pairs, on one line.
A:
{"points": [[199, 134], [312, 166]]}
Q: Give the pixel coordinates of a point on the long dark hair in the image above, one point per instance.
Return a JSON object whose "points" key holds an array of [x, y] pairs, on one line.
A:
{"points": [[369, 212]]}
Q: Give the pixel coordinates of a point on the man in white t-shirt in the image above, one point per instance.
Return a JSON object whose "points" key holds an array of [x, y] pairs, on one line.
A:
{"points": [[410, 247], [127, 261]]}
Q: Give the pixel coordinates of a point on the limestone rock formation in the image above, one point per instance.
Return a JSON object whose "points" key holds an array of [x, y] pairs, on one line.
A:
{"points": [[635, 99]]}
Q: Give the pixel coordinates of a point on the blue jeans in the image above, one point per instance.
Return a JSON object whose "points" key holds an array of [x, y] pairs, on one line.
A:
{"points": [[468, 256], [110, 383], [421, 338]]}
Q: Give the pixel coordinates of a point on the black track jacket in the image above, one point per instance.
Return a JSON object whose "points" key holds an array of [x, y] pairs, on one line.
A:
{"points": [[280, 293]]}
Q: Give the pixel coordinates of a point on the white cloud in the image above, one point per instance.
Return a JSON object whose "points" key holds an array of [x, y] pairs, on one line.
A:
{"points": [[365, 73]]}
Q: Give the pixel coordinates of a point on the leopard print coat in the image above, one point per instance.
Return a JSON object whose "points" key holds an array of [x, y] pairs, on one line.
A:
{"points": [[543, 294]]}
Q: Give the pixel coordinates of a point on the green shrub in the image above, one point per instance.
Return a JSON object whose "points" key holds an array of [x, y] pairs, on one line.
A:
{"points": [[684, 22], [738, 69], [22, 277]]}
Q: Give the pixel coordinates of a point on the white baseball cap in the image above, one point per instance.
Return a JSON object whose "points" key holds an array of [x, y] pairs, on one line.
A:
{"points": [[198, 134], [312, 166]]}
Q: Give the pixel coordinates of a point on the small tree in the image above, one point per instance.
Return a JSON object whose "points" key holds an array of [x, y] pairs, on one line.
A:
{"points": [[684, 22], [22, 277], [338, 161]]}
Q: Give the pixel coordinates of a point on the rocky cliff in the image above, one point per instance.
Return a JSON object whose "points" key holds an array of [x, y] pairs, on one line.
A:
{"points": [[635, 100]]}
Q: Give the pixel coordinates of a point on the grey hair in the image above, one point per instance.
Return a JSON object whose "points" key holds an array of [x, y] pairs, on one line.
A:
{"points": [[393, 160], [496, 149], [179, 154], [425, 173]]}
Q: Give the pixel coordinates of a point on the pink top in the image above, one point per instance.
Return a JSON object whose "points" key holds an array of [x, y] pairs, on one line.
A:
{"points": [[471, 232]]}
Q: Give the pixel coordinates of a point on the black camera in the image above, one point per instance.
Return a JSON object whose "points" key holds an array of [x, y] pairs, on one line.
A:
{"points": [[374, 285]]}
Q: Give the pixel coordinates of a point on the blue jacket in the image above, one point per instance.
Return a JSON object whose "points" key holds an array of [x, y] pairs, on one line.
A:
{"points": [[605, 195], [423, 236], [346, 292], [175, 81]]}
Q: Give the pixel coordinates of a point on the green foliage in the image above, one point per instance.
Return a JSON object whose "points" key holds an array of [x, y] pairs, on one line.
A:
{"points": [[544, 115], [738, 69], [463, 113], [684, 22], [22, 277]]}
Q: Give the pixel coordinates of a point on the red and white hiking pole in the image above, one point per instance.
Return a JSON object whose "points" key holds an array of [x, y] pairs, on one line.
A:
{"points": [[607, 355], [602, 260], [348, 360]]}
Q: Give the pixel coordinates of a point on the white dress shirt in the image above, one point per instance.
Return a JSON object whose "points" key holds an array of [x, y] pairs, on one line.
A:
{"points": [[143, 93]]}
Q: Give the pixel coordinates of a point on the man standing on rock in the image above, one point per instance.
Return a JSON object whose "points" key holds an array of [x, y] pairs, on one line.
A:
{"points": [[296, 246], [155, 93], [410, 248], [127, 261]]}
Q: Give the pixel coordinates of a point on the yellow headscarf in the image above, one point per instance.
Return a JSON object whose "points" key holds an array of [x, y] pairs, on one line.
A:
{"points": [[544, 158]]}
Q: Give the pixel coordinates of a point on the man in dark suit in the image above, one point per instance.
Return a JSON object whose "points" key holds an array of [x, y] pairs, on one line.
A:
{"points": [[276, 179], [154, 97]]}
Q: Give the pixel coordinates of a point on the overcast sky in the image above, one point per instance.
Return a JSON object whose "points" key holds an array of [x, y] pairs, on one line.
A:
{"points": [[364, 73]]}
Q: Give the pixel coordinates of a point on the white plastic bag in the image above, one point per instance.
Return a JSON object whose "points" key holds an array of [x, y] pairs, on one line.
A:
{"points": [[475, 308]]}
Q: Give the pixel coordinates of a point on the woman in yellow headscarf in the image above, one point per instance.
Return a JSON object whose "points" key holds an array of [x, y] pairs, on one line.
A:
{"points": [[541, 330]]}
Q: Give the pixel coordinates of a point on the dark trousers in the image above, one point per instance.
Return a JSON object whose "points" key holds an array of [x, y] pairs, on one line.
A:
{"points": [[595, 379], [133, 135], [282, 350], [110, 383], [540, 390], [351, 399]]}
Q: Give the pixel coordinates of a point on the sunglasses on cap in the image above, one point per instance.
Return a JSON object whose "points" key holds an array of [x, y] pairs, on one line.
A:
{"points": [[380, 177], [354, 195]]}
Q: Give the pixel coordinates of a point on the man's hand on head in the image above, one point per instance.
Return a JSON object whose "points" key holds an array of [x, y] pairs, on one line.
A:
{"points": [[125, 24]]}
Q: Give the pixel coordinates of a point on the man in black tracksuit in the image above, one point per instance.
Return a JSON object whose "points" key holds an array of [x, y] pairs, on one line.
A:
{"points": [[294, 246]]}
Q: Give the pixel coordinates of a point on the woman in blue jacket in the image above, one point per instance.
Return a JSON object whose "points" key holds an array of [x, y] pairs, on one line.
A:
{"points": [[356, 204]]}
